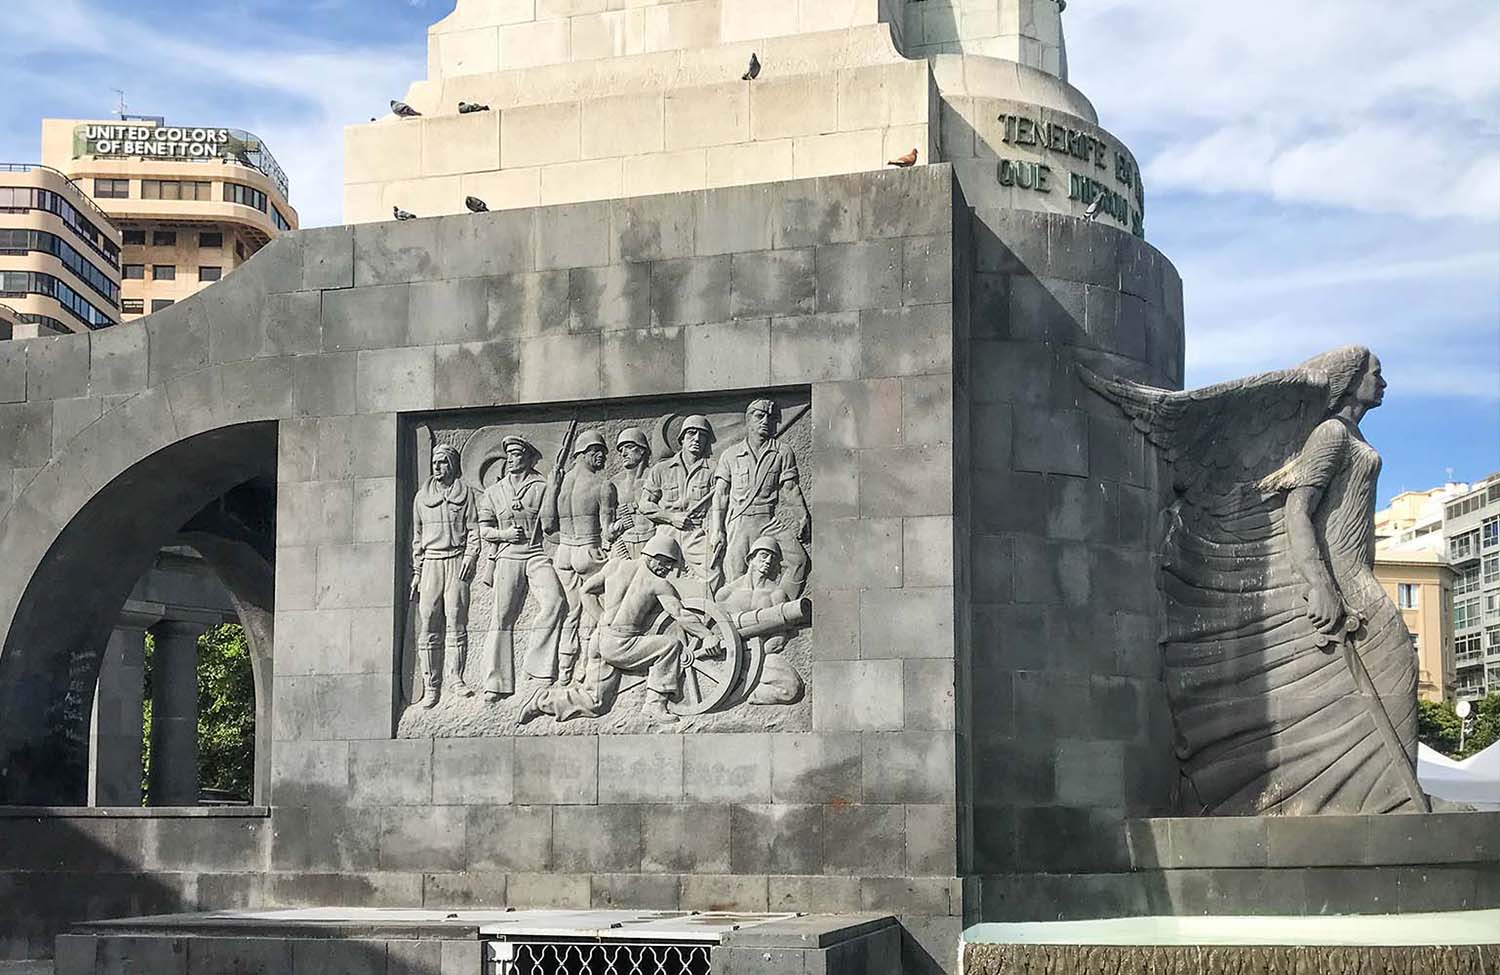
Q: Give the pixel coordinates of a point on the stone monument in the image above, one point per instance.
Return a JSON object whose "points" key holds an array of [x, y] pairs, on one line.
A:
{"points": [[809, 570]]}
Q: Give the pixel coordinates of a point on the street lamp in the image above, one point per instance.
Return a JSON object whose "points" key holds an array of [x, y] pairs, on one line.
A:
{"points": [[1462, 710]]}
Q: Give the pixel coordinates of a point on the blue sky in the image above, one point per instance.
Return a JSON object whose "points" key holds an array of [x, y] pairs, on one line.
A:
{"points": [[1319, 173]]}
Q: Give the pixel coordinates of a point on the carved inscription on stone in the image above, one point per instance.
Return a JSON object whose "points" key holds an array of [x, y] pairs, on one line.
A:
{"points": [[623, 568]]}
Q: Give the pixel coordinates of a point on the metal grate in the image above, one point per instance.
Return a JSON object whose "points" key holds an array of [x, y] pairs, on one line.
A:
{"points": [[569, 957]]}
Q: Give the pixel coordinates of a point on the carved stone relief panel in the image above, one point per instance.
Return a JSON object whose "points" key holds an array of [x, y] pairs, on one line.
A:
{"points": [[619, 568]]}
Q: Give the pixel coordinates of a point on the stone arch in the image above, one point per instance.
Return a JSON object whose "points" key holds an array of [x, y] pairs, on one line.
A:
{"points": [[97, 549]]}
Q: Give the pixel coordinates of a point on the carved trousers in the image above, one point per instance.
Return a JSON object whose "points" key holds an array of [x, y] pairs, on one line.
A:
{"points": [[514, 578], [442, 609], [661, 655], [574, 564]]}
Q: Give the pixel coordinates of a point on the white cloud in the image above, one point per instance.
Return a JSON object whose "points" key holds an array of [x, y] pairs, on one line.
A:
{"points": [[1386, 108], [1320, 173], [296, 93]]}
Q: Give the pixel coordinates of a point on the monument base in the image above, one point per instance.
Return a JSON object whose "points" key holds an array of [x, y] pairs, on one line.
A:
{"points": [[495, 942], [1457, 941]]}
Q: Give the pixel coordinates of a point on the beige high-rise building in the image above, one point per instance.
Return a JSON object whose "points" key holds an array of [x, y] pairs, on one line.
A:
{"points": [[192, 202], [1420, 581], [59, 256]]}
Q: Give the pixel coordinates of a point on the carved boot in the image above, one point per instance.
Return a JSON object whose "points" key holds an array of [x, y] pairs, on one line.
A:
{"points": [[534, 707], [655, 708], [428, 688], [457, 654]]}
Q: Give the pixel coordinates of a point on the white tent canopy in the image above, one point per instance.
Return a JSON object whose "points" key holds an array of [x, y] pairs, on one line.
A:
{"points": [[1474, 781]]}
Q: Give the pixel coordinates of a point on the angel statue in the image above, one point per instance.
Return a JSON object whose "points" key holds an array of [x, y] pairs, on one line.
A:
{"points": [[1290, 674]]}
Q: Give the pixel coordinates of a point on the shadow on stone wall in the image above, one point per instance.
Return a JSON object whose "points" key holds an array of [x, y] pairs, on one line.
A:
{"points": [[1070, 733]]}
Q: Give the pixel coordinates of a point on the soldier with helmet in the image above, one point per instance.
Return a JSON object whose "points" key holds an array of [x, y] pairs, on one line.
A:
{"points": [[631, 529], [510, 524], [627, 637], [758, 491], [444, 555], [761, 588], [582, 509], [678, 491]]}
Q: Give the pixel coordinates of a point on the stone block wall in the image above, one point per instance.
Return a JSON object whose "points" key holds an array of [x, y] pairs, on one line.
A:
{"points": [[657, 129], [841, 288], [1027, 32], [1068, 729], [480, 37]]}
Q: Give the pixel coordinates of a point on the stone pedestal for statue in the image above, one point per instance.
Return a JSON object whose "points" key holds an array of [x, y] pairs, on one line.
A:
{"points": [[880, 372]]}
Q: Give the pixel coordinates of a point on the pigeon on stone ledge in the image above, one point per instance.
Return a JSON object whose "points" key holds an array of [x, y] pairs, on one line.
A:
{"points": [[1095, 208], [401, 214], [904, 162], [476, 205], [468, 108], [754, 70], [404, 110]]}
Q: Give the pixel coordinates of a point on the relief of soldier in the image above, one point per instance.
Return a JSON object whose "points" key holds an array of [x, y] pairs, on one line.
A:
{"points": [[681, 577], [757, 492], [444, 555]]}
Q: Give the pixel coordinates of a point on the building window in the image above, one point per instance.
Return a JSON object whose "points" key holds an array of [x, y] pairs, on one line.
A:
{"points": [[1464, 506], [21, 283], [211, 240], [1492, 607], [21, 240], [133, 306], [1466, 614], [1489, 533], [1463, 546], [32, 198], [281, 222], [174, 189], [164, 238], [1406, 595], [164, 272], [207, 273], [133, 272], [1467, 581], [157, 304], [1491, 569], [133, 238], [1491, 639], [245, 196], [111, 189], [1467, 649]]}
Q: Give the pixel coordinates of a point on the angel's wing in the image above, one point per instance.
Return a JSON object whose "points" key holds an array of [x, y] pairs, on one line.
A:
{"points": [[1223, 438]]}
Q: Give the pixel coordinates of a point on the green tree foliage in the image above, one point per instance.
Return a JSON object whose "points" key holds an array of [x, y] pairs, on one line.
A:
{"points": [[226, 712], [1438, 726]]}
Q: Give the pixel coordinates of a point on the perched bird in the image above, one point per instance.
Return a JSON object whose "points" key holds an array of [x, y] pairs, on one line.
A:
{"points": [[1095, 208], [905, 162], [476, 205], [404, 110], [468, 108], [401, 214], [753, 71]]}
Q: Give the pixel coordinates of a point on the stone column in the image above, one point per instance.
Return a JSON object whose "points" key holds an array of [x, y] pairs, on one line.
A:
{"points": [[115, 751], [174, 713]]}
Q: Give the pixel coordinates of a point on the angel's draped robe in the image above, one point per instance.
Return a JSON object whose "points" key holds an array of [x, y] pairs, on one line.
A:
{"points": [[1268, 720]]}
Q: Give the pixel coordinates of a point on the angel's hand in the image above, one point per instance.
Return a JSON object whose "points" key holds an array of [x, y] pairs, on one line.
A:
{"points": [[1324, 608]]}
